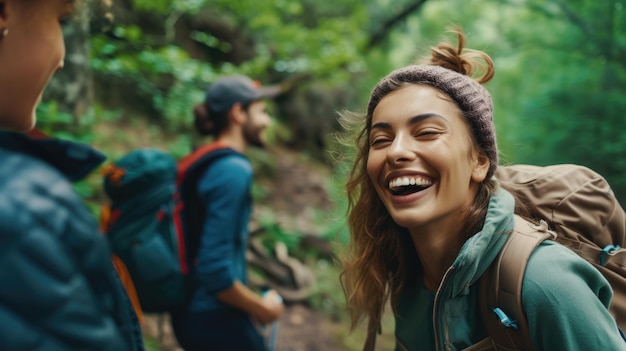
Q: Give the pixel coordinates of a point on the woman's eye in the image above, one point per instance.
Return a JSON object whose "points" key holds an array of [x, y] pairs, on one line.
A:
{"points": [[427, 132], [378, 141]]}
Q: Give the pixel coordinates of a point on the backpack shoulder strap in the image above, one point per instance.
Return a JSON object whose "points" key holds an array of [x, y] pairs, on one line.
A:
{"points": [[500, 288], [198, 158], [190, 169]]}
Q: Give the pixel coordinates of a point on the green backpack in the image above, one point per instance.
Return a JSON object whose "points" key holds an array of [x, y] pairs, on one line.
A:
{"points": [[149, 226]]}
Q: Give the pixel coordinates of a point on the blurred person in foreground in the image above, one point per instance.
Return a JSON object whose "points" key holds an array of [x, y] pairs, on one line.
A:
{"points": [[59, 288]]}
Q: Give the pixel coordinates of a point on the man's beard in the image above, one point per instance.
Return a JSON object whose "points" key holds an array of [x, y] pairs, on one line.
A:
{"points": [[252, 136]]}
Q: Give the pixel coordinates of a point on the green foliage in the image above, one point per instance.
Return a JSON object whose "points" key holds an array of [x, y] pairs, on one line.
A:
{"points": [[288, 38], [274, 233], [165, 78], [169, 6], [562, 86], [48, 115], [311, 37]]}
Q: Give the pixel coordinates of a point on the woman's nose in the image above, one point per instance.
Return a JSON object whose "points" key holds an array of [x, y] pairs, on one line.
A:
{"points": [[400, 150]]}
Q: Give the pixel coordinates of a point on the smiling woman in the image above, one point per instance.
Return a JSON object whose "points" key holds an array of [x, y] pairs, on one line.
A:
{"points": [[427, 218], [424, 137], [32, 51], [59, 290]]}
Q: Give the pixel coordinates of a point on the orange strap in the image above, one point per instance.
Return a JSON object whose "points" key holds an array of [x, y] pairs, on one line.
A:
{"points": [[105, 217], [120, 267], [127, 281]]}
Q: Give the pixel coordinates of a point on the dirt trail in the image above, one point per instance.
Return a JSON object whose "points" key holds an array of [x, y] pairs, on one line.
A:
{"points": [[299, 329]]}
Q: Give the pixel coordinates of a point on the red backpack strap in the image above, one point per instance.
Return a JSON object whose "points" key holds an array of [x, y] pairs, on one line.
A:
{"points": [[189, 169], [37, 134], [500, 287], [186, 162]]}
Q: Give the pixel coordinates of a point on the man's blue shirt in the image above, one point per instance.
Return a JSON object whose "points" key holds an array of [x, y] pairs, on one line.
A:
{"points": [[225, 191]]}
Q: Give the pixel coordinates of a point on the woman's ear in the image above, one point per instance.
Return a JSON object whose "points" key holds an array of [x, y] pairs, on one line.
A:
{"points": [[4, 23], [481, 167], [3, 15], [8, 8]]}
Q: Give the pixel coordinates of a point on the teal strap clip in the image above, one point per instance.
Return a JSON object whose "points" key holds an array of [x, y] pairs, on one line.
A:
{"points": [[608, 250], [504, 319]]}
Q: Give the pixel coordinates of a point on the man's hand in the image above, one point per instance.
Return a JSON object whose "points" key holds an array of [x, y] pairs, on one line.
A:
{"points": [[273, 305], [264, 309]]}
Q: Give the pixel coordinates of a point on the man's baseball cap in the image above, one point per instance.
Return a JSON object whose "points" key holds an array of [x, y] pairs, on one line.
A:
{"points": [[229, 90]]}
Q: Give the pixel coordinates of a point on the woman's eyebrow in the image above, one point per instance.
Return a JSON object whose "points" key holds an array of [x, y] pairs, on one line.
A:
{"points": [[423, 116], [411, 121]]}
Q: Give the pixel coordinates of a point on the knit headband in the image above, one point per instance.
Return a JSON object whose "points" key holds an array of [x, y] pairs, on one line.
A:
{"points": [[473, 100]]}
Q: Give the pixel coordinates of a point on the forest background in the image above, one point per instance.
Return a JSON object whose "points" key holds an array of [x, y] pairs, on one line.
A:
{"points": [[135, 68]]}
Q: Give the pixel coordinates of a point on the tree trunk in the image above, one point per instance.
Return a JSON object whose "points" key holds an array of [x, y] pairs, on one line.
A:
{"points": [[72, 87]]}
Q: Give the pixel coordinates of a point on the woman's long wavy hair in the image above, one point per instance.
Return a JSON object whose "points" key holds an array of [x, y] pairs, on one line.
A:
{"points": [[380, 254]]}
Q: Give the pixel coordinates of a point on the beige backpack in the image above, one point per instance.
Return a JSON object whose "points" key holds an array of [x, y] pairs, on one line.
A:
{"points": [[579, 210]]}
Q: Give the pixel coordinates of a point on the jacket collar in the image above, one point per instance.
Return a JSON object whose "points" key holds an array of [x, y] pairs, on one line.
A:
{"points": [[482, 248], [72, 159]]}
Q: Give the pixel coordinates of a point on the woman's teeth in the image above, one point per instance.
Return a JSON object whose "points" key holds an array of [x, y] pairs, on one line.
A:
{"points": [[409, 181]]}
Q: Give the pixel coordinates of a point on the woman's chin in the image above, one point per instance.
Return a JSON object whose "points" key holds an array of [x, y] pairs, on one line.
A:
{"points": [[408, 220], [27, 124], [23, 125]]}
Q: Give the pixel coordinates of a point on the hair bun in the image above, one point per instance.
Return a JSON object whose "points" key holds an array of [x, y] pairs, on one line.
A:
{"points": [[459, 59], [202, 120]]}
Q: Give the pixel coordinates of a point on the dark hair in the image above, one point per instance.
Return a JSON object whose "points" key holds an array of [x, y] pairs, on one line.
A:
{"points": [[207, 123]]}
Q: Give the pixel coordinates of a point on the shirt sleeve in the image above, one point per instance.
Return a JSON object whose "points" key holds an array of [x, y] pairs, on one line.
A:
{"points": [[566, 302], [224, 190]]}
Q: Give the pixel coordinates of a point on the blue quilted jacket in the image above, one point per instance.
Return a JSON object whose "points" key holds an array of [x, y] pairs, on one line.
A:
{"points": [[58, 288]]}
